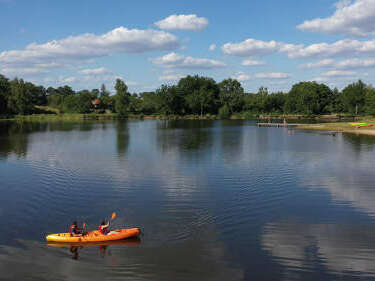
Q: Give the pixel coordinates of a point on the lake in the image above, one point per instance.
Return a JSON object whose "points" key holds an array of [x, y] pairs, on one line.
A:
{"points": [[216, 200]]}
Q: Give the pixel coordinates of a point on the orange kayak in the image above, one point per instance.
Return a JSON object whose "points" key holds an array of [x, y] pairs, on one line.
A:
{"points": [[134, 241], [94, 236]]}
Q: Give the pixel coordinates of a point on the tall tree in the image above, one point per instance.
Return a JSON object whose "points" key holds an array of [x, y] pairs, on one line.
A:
{"points": [[121, 98], [4, 94], [231, 94], [353, 97], [201, 94], [103, 91], [170, 99], [19, 101], [308, 98]]}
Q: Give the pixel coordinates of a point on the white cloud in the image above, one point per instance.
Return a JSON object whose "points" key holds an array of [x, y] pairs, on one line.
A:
{"points": [[342, 65], [242, 77], [14, 72], [351, 18], [339, 73], [173, 60], [273, 75], [251, 48], [212, 47], [171, 77], [320, 79], [253, 63], [319, 64], [277, 82], [85, 47], [68, 80], [342, 48], [183, 22], [95, 71]]}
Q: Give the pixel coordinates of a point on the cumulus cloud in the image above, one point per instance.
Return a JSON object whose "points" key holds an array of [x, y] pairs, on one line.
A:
{"points": [[252, 63], [251, 48], [319, 64], [242, 77], [183, 22], [85, 47], [351, 18], [212, 47], [341, 48], [273, 75], [339, 73], [342, 65], [173, 60]]}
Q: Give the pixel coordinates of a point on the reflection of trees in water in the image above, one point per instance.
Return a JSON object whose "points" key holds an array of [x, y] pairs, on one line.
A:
{"points": [[70, 126], [340, 249], [14, 136], [123, 137], [231, 139], [360, 142], [184, 136]]}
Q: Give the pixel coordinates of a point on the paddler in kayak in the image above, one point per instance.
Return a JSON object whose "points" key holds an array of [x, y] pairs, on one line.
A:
{"points": [[74, 230], [104, 228]]}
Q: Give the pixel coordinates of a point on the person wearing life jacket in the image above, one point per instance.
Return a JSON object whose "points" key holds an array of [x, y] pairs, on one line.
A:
{"points": [[104, 228], [74, 230]]}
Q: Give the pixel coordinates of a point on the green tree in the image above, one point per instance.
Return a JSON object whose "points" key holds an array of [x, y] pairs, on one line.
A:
{"points": [[103, 91], [170, 99], [231, 94], [353, 97], [95, 93], [370, 100], [201, 94], [19, 101], [4, 94], [308, 98], [150, 102], [121, 97]]}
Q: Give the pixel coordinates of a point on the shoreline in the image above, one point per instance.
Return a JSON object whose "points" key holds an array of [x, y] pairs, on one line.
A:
{"points": [[339, 128], [235, 116], [328, 124]]}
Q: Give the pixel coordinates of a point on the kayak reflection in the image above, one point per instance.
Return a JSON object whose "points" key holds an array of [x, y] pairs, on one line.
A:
{"points": [[74, 248]]}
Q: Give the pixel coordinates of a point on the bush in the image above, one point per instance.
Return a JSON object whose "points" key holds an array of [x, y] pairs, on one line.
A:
{"points": [[224, 112]]}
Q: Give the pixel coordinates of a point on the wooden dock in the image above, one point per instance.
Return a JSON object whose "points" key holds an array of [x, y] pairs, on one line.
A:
{"points": [[278, 125]]}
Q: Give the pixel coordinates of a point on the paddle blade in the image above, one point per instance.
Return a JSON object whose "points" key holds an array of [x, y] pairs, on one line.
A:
{"points": [[113, 216]]}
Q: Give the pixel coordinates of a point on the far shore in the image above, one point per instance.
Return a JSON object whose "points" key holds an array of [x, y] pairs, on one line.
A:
{"points": [[329, 122]]}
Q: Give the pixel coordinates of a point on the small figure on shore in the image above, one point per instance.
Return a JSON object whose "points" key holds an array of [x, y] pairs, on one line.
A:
{"points": [[74, 230], [284, 122]]}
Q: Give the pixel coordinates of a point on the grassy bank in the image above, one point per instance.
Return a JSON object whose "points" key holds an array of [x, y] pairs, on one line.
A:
{"points": [[344, 127]]}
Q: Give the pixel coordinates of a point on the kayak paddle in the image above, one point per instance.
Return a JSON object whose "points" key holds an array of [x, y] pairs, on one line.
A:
{"points": [[113, 216]]}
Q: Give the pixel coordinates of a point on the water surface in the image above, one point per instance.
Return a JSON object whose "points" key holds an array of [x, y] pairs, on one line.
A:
{"points": [[216, 200]]}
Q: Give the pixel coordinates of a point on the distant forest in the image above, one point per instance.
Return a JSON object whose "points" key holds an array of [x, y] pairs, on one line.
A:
{"points": [[191, 95]]}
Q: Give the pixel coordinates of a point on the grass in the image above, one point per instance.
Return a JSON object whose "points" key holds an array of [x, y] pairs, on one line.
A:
{"points": [[342, 126]]}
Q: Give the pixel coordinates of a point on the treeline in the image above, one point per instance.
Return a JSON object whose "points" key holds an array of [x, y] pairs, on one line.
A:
{"points": [[191, 95]]}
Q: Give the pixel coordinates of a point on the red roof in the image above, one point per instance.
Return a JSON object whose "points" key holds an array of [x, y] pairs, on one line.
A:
{"points": [[96, 101]]}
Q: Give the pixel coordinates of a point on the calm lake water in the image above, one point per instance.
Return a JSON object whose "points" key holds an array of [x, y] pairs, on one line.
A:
{"points": [[216, 200]]}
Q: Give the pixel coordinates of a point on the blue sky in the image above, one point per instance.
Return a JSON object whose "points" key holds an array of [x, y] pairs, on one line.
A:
{"points": [[148, 43]]}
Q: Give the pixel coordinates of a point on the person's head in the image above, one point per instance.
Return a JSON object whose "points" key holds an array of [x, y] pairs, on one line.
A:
{"points": [[103, 222], [75, 223]]}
